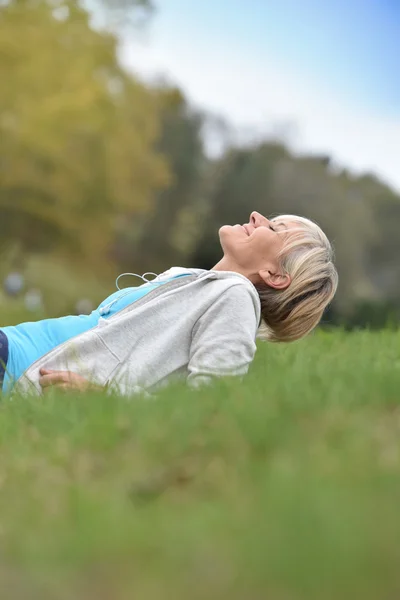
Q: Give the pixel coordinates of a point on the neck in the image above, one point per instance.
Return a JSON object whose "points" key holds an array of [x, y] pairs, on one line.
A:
{"points": [[226, 265]]}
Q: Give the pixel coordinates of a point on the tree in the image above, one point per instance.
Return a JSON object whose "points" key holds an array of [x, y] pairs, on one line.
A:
{"points": [[77, 133], [380, 259], [165, 234]]}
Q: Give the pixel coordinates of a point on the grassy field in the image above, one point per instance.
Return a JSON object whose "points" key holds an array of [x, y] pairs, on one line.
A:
{"points": [[284, 487]]}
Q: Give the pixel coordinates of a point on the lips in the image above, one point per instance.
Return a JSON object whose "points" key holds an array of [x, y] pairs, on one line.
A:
{"points": [[246, 230]]}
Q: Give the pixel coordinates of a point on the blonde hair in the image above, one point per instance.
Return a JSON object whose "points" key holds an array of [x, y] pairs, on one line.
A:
{"points": [[307, 257]]}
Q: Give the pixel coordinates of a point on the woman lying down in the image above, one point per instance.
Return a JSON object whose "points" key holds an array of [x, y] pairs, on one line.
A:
{"points": [[274, 281]]}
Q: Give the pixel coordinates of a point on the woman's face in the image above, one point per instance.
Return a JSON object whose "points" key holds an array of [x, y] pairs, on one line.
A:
{"points": [[253, 249]]}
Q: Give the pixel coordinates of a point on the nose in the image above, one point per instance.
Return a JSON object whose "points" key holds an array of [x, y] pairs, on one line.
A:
{"points": [[257, 219]]}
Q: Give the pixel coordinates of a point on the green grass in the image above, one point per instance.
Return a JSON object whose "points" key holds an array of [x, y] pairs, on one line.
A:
{"points": [[284, 487]]}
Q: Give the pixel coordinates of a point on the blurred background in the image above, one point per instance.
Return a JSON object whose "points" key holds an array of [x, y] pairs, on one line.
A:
{"points": [[131, 131]]}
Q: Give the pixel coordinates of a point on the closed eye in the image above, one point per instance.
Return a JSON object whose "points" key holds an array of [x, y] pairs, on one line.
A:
{"points": [[277, 227]]}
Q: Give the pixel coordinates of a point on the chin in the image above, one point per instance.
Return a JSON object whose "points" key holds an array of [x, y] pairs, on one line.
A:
{"points": [[223, 232]]}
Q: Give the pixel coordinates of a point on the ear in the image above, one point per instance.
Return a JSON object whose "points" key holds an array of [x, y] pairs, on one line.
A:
{"points": [[276, 280]]}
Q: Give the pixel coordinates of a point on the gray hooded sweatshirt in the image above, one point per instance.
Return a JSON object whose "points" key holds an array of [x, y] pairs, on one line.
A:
{"points": [[196, 327]]}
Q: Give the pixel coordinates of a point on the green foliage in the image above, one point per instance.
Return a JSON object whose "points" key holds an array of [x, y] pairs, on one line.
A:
{"points": [[283, 486], [76, 132], [167, 232], [110, 174]]}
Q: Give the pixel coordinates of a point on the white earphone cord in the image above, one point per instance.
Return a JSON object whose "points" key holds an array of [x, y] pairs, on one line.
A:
{"points": [[106, 309], [136, 275]]}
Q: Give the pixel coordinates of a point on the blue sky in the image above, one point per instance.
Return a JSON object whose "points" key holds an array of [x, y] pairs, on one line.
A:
{"points": [[332, 69], [351, 44]]}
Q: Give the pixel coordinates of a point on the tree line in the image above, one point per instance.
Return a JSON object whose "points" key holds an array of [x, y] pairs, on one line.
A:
{"points": [[112, 174]]}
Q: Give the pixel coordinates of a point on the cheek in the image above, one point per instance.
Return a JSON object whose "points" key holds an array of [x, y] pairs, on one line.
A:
{"points": [[262, 239], [265, 244]]}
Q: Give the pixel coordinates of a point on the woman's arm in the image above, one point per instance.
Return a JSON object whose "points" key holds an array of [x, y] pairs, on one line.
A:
{"points": [[223, 339]]}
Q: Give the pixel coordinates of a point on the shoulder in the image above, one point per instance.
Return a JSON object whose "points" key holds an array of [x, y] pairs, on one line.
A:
{"points": [[236, 304], [230, 291], [236, 287], [240, 297], [232, 316], [218, 291]]}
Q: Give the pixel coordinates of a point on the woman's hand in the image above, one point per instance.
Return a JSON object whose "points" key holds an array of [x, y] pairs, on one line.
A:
{"points": [[65, 380]]}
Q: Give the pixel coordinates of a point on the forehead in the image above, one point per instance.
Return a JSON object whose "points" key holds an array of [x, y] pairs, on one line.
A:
{"points": [[294, 221], [289, 230], [288, 224]]}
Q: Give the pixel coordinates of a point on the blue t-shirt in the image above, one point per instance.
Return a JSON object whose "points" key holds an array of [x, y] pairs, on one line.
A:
{"points": [[28, 342]]}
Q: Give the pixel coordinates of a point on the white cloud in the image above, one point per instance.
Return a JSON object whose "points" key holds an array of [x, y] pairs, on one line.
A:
{"points": [[253, 94]]}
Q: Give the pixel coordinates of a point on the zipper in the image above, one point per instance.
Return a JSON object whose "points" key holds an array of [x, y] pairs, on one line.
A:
{"points": [[156, 285], [172, 285], [153, 293], [108, 306]]}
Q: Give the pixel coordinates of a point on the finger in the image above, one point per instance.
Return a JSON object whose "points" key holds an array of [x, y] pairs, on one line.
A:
{"points": [[62, 375], [52, 379], [44, 371], [55, 376], [53, 372]]}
